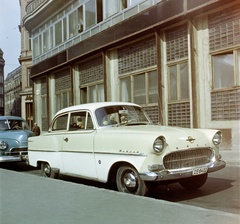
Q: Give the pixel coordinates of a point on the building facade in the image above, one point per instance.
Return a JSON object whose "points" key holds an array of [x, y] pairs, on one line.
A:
{"points": [[25, 60], [12, 89], [179, 59], [2, 64]]}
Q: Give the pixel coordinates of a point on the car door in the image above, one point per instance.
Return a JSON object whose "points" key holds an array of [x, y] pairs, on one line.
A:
{"points": [[78, 156]]}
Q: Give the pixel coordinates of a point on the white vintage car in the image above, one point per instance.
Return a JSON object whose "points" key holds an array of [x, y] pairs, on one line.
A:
{"points": [[116, 142]]}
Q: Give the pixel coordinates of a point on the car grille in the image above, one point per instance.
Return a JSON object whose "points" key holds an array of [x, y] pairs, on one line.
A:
{"points": [[187, 158], [16, 151]]}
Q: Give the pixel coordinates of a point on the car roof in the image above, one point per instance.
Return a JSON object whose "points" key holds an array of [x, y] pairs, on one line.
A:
{"points": [[94, 106], [10, 118]]}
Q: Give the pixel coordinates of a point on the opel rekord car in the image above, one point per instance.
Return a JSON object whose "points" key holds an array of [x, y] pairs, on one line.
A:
{"points": [[116, 142], [14, 133]]}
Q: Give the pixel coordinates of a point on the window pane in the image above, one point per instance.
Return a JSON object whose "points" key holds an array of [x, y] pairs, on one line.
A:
{"points": [[80, 19], [84, 95], [173, 83], [46, 41], [77, 121], [90, 12], [58, 33], [184, 81], [125, 88], [223, 76], [238, 71], [112, 8], [72, 24], [139, 89], [65, 100], [64, 29], [100, 93], [60, 123], [153, 87], [92, 94]]}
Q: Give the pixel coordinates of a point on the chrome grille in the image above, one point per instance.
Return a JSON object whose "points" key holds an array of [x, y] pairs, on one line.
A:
{"points": [[187, 158]]}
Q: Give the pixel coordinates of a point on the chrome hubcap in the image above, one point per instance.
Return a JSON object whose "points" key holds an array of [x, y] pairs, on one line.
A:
{"points": [[47, 170], [130, 180]]}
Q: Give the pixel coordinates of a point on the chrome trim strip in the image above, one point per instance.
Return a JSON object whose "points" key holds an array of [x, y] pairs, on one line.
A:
{"points": [[84, 152]]}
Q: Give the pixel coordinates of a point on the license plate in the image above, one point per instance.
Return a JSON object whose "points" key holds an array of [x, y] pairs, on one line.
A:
{"points": [[200, 171]]}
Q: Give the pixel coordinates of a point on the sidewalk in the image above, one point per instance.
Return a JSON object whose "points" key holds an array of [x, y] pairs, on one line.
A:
{"points": [[29, 199], [231, 157]]}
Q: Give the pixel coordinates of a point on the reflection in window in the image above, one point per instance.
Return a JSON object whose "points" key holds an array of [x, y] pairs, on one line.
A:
{"points": [[139, 89], [173, 83], [125, 89], [223, 66], [93, 93], [60, 124], [58, 33], [90, 12], [178, 82]]}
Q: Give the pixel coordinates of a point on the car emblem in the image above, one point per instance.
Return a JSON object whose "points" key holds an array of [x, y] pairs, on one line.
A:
{"points": [[190, 139]]}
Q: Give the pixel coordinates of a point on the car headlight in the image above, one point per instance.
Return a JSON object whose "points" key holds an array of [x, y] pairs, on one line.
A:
{"points": [[217, 138], [158, 144], [3, 145]]}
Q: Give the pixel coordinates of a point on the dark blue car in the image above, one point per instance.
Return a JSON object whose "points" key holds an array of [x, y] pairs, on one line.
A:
{"points": [[14, 133]]}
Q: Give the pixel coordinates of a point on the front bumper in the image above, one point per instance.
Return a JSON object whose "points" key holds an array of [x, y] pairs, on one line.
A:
{"points": [[8, 158], [164, 175]]}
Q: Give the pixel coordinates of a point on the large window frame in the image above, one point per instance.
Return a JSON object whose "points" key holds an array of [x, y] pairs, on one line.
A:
{"points": [[92, 92], [139, 88], [178, 82], [223, 63]]}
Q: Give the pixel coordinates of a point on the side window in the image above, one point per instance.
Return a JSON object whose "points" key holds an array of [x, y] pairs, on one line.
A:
{"points": [[80, 121], [60, 124]]}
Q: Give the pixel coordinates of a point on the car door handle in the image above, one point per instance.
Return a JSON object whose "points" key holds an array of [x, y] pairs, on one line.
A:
{"points": [[65, 139]]}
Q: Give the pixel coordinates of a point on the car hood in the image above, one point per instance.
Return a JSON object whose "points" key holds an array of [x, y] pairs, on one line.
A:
{"points": [[20, 135], [176, 137]]}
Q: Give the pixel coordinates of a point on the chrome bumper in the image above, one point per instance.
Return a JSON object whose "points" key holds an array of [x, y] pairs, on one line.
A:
{"points": [[21, 157], [179, 174]]}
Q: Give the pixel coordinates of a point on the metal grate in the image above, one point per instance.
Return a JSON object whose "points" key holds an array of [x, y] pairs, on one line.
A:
{"points": [[137, 56], [224, 28], [177, 43], [187, 158], [179, 114], [225, 105], [91, 71]]}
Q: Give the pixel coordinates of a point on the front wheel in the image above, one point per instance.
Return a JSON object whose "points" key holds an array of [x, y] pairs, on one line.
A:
{"points": [[193, 183], [128, 181], [47, 171]]}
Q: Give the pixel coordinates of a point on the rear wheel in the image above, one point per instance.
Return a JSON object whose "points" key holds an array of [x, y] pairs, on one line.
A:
{"points": [[128, 181], [47, 171], [195, 182]]}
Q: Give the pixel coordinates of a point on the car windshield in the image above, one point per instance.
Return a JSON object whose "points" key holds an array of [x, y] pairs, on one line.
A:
{"points": [[121, 115], [13, 124]]}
